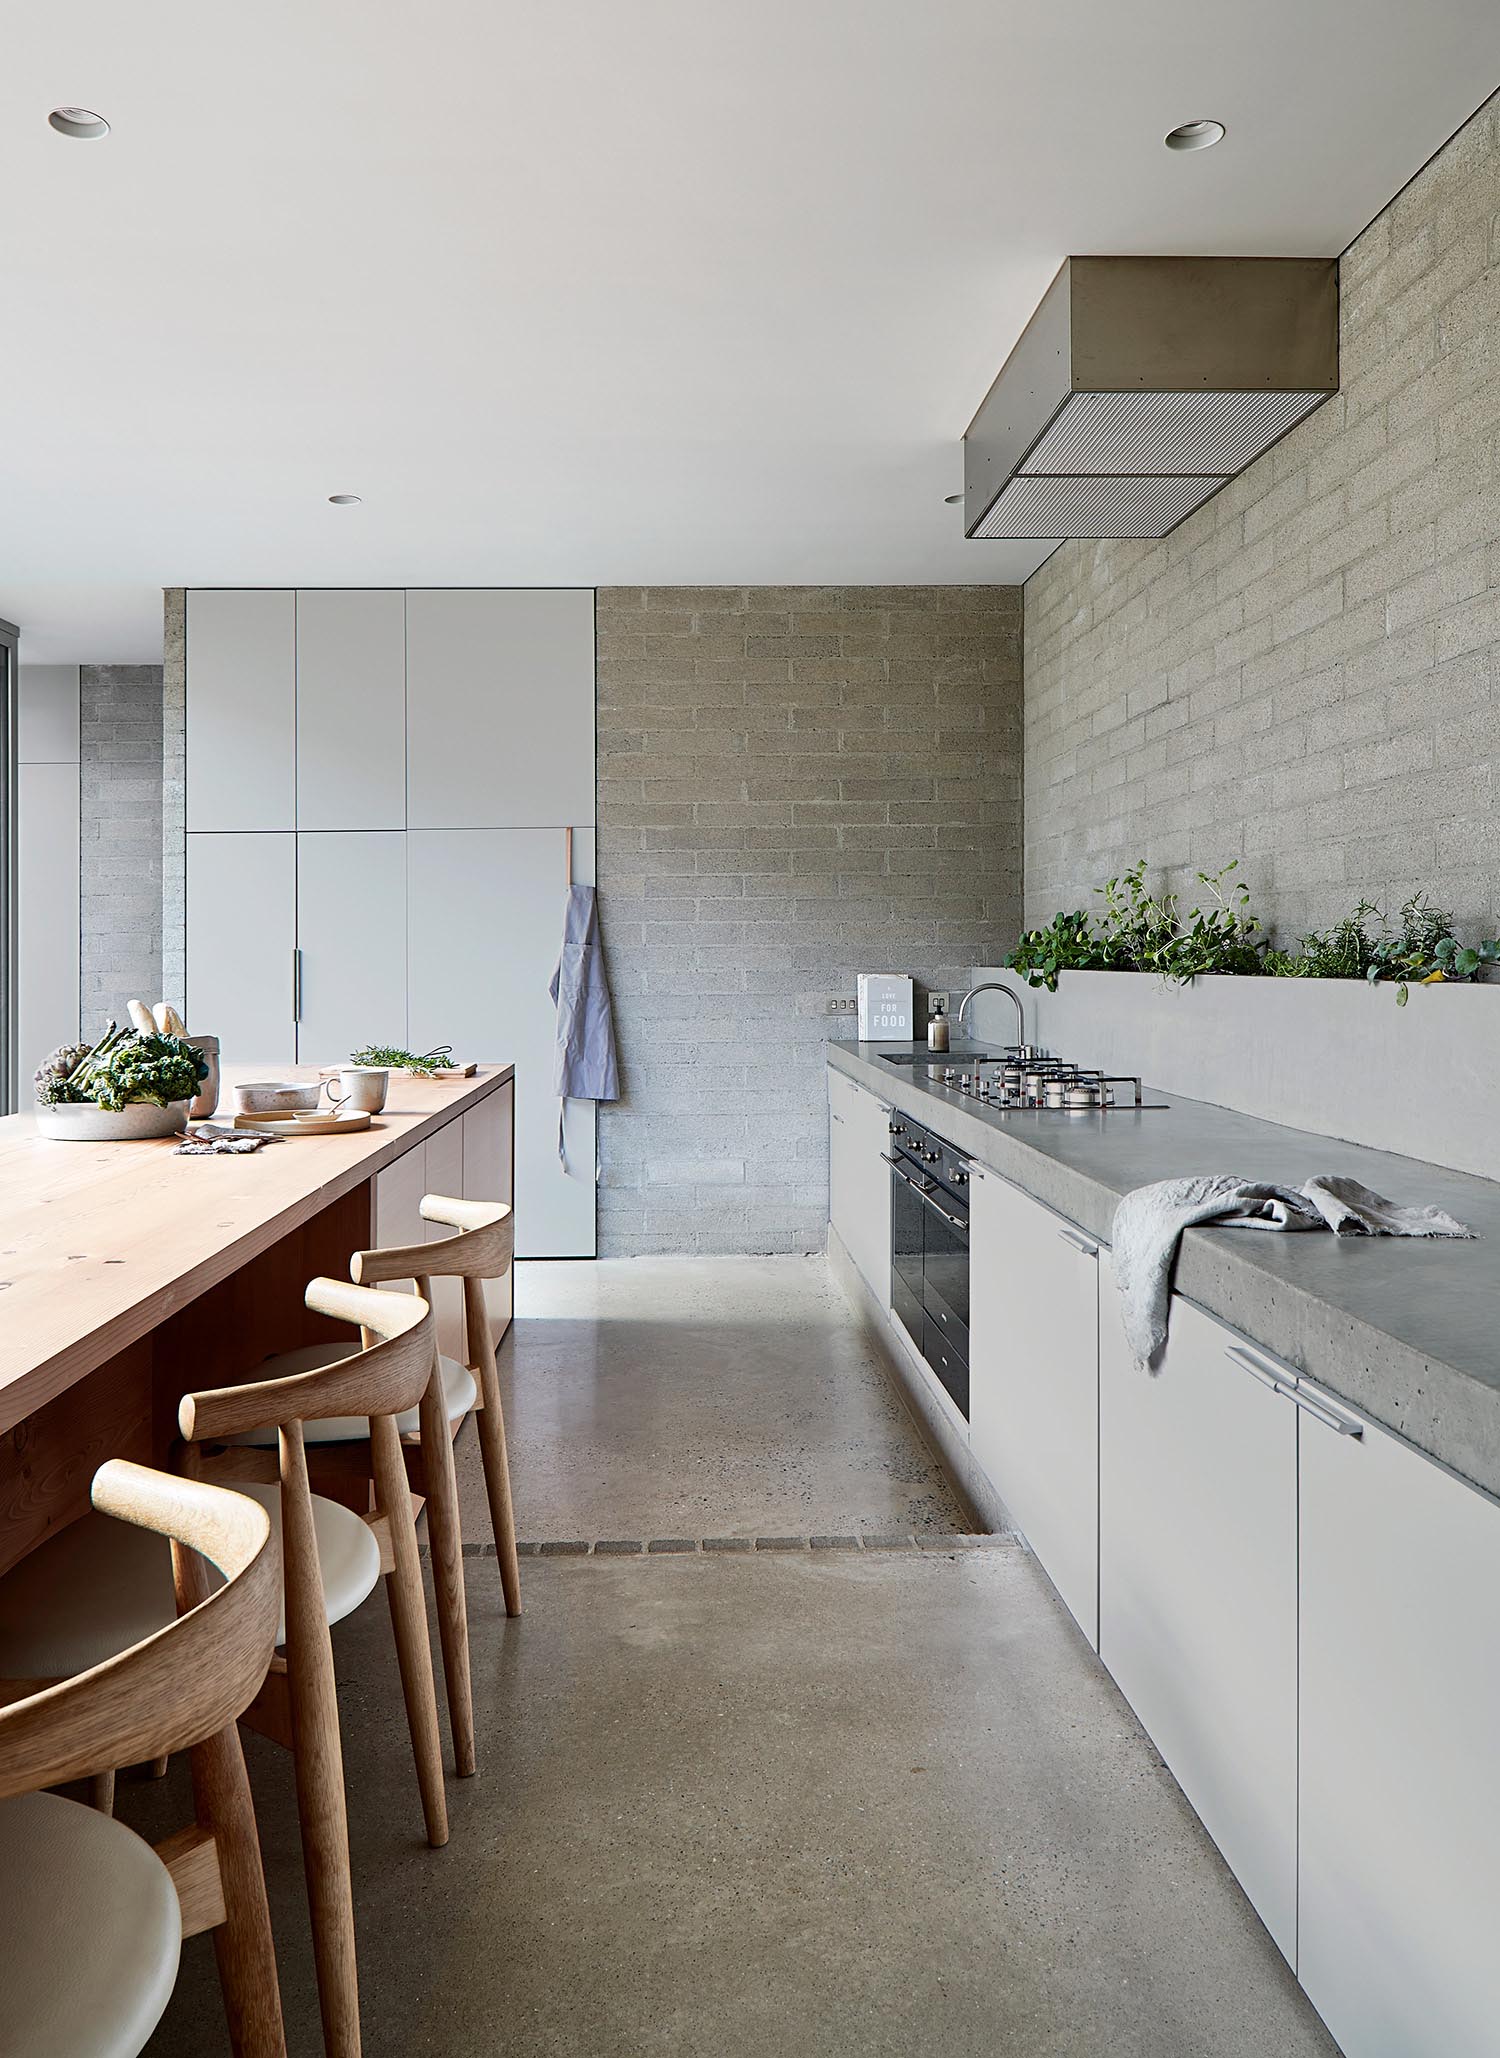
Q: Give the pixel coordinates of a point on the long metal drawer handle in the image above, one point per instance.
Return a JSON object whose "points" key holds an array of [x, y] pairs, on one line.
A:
{"points": [[1079, 1243], [921, 1192], [1331, 1417], [954, 1221], [902, 1173], [1247, 1362], [837, 1116]]}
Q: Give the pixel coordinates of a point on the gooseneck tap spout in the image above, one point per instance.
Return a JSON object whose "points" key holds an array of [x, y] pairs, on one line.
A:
{"points": [[996, 986]]}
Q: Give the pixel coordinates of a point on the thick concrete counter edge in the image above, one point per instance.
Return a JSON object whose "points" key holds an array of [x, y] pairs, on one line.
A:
{"points": [[1441, 1409]]}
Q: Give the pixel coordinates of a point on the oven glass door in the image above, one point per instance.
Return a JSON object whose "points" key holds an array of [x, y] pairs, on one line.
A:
{"points": [[908, 1225], [946, 1259]]}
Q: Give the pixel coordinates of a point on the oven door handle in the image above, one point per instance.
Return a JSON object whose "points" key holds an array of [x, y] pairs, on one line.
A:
{"points": [[922, 1193]]}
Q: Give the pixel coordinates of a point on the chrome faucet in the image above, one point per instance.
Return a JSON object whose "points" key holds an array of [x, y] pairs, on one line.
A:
{"points": [[995, 986]]}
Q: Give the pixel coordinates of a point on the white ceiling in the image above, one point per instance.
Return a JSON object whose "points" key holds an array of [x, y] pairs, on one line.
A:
{"points": [[673, 291]]}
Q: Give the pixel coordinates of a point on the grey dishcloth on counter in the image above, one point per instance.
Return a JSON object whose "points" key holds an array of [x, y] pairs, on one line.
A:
{"points": [[1149, 1223]]}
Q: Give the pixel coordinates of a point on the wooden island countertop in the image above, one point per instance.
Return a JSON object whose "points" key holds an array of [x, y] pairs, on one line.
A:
{"points": [[102, 1243]]}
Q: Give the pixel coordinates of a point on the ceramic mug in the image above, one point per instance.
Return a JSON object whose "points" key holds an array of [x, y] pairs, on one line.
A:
{"points": [[360, 1088]]}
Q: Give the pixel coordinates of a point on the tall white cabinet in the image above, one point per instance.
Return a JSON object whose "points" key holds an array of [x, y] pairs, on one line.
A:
{"points": [[379, 782]]}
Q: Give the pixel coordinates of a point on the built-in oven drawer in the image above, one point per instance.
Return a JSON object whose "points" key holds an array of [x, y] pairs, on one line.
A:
{"points": [[955, 1331], [905, 1305], [950, 1368]]}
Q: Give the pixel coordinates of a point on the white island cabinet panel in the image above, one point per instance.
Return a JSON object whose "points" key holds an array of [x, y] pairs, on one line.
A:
{"points": [[241, 939], [351, 933], [1198, 1583], [501, 699], [489, 1139], [859, 1182], [351, 709], [1400, 1749], [485, 923], [1034, 1381], [241, 709]]}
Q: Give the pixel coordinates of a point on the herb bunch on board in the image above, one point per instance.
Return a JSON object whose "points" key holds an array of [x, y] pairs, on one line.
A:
{"points": [[424, 1065]]}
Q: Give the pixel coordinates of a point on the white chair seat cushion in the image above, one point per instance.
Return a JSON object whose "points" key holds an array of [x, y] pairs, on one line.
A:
{"points": [[459, 1392], [92, 1931], [100, 1585]]}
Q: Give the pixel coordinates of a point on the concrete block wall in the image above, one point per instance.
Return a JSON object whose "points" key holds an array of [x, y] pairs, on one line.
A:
{"points": [[1306, 674], [796, 784], [120, 840]]}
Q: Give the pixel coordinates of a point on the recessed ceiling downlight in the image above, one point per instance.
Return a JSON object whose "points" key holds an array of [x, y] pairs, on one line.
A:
{"points": [[81, 123], [1195, 135], [345, 500]]}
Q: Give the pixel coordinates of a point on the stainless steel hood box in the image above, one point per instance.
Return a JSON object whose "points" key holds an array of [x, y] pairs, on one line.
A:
{"points": [[1141, 385]]}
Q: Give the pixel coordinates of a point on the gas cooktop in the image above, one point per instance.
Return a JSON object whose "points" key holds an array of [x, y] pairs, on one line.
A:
{"points": [[1023, 1078]]}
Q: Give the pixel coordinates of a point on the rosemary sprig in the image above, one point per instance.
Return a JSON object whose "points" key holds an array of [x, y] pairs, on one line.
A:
{"points": [[436, 1060]]}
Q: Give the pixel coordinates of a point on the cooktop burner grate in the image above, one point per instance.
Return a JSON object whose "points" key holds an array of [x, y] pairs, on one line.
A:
{"points": [[1024, 1079]]}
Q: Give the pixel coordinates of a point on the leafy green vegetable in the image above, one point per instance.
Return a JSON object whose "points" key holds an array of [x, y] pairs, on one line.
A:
{"points": [[121, 1068]]}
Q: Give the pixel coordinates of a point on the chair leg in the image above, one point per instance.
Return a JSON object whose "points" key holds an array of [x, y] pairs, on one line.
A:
{"points": [[491, 1421], [102, 1792], [243, 1946], [317, 1757], [446, 1537], [157, 1769], [242, 1942], [408, 1599]]}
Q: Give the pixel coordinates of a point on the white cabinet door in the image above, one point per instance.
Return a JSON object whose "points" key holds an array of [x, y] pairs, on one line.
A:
{"points": [[351, 934], [241, 709], [500, 697], [1034, 1381], [1400, 1750], [241, 945], [486, 911], [1198, 1584], [351, 709], [859, 1183]]}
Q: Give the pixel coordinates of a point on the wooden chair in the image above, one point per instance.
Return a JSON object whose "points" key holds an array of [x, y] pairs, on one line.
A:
{"points": [[65, 1602], [483, 1249], [92, 1917]]}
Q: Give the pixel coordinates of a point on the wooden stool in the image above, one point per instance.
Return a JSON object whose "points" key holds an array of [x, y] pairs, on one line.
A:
{"points": [[72, 1596], [482, 1250], [93, 1918]]}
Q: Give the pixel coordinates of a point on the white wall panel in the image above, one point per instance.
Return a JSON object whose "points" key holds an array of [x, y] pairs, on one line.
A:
{"points": [[351, 709], [486, 913], [241, 931], [351, 931], [241, 709], [47, 915], [500, 700]]}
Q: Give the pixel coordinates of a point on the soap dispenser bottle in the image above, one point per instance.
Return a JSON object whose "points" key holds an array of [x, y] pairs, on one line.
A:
{"points": [[937, 1028]]}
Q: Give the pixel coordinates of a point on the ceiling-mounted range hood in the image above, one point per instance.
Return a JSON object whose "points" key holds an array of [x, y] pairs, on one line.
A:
{"points": [[1141, 385]]}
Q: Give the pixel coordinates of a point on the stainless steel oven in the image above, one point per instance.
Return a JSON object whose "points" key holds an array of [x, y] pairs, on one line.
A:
{"points": [[930, 1251]]}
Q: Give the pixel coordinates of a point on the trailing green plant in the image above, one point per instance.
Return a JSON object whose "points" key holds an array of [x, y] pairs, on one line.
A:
{"points": [[121, 1068], [1139, 931]]}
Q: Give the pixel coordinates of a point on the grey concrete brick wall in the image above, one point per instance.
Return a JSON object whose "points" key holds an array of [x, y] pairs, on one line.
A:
{"points": [[120, 839], [1306, 674], [174, 799], [795, 785]]}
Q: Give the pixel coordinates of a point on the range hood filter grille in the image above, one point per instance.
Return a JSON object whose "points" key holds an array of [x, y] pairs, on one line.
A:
{"points": [[1177, 435], [1055, 509]]}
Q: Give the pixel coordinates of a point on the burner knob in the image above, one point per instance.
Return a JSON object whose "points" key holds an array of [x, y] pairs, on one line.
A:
{"points": [[960, 1179]]}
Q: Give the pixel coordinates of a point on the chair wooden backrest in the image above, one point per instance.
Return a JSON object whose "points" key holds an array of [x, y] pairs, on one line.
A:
{"points": [[185, 1683], [384, 1378], [483, 1248]]}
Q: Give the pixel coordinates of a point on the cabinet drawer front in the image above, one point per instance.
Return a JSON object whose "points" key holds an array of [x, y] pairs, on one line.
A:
{"points": [[1198, 1585], [1400, 1764]]}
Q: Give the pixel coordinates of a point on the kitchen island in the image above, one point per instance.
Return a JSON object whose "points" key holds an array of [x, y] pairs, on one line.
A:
{"points": [[130, 1275]]}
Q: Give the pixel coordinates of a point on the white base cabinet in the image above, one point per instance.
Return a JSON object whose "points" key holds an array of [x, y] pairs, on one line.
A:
{"points": [[859, 1182], [242, 942], [1198, 1584], [1034, 1381], [1400, 1750]]}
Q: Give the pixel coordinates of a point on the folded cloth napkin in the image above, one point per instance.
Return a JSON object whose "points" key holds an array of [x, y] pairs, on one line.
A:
{"points": [[1149, 1223], [207, 1140]]}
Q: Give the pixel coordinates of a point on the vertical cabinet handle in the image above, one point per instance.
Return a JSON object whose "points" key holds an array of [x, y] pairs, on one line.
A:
{"points": [[296, 984], [1079, 1243]]}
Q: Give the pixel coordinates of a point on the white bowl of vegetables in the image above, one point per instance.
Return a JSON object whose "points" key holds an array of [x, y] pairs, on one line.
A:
{"points": [[129, 1086]]}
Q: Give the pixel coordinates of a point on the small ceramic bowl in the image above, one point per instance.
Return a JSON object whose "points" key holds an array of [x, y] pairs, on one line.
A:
{"points": [[275, 1096]]}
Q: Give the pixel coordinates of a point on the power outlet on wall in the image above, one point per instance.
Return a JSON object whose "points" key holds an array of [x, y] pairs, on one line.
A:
{"points": [[937, 1003], [839, 1005]]}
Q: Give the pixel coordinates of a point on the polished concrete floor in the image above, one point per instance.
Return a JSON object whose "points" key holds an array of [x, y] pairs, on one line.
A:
{"points": [[874, 1799]]}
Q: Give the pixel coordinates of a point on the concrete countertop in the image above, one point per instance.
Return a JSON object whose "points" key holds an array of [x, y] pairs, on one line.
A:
{"points": [[1407, 1330]]}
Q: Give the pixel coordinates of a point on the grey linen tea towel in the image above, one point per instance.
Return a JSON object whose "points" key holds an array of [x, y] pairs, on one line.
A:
{"points": [[1149, 1223], [586, 1067]]}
